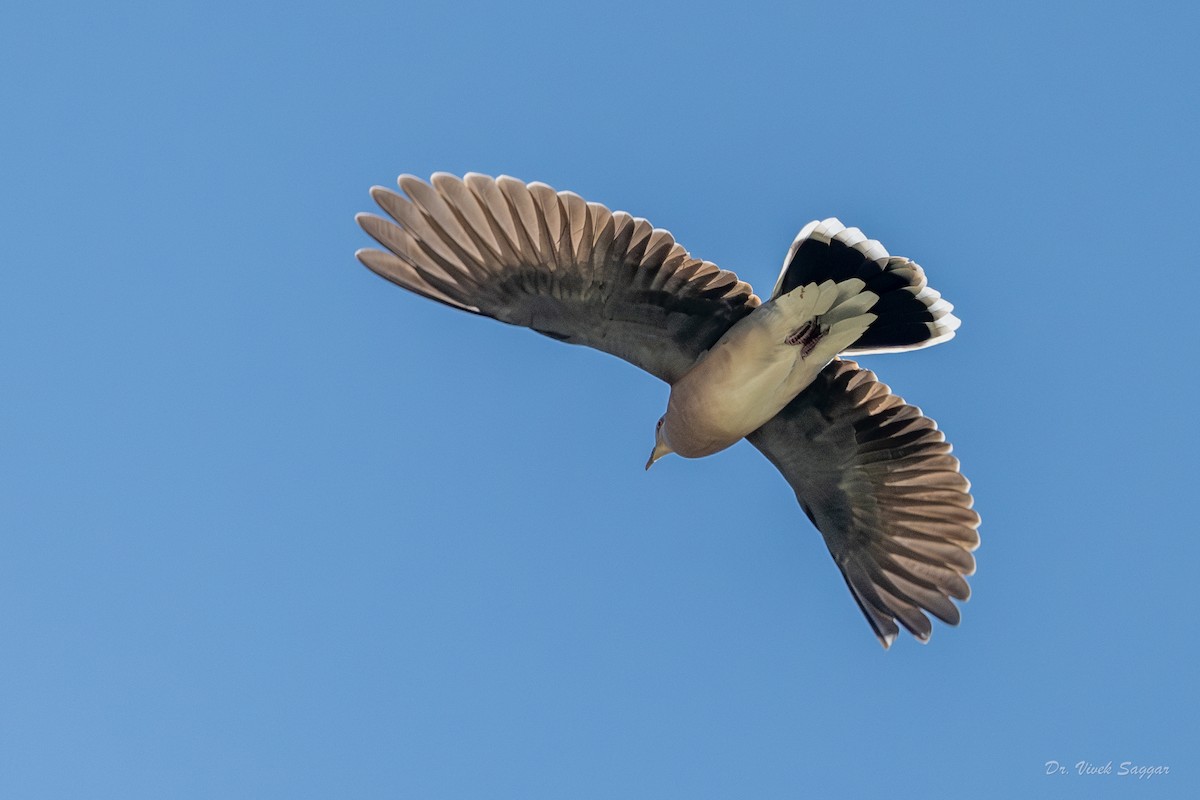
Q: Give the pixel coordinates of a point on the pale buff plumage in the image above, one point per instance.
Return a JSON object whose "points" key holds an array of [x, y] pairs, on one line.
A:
{"points": [[752, 372]]}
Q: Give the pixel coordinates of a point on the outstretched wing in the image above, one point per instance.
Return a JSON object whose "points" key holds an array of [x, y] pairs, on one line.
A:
{"points": [[877, 479], [575, 271]]}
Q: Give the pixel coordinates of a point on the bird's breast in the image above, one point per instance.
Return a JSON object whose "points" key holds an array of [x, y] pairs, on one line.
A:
{"points": [[737, 387]]}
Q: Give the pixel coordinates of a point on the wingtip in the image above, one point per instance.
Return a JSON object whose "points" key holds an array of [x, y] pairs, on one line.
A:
{"points": [[407, 181], [373, 260], [381, 191], [370, 223]]}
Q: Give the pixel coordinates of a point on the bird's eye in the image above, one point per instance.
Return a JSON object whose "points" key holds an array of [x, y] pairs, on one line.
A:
{"points": [[659, 424]]}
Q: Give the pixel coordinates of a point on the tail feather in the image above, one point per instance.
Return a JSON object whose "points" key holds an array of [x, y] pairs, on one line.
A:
{"points": [[910, 314], [824, 319]]}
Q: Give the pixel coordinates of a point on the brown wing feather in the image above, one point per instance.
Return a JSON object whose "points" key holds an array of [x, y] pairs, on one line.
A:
{"points": [[876, 478], [528, 255]]}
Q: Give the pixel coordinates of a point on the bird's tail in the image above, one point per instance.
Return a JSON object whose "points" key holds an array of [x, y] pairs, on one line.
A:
{"points": [[909, 314], [823, 319]]}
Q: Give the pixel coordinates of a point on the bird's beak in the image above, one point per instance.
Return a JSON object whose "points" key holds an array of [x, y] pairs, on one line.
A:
{"points": [[658, 452]]}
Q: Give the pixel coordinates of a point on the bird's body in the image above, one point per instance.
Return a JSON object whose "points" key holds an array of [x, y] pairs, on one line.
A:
{"points": [[726, 395], [761, 364], [872, 473]]}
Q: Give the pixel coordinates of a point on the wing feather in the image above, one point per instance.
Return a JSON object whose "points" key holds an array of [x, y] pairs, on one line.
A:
{"points": [[876, 478], [528, 255]]}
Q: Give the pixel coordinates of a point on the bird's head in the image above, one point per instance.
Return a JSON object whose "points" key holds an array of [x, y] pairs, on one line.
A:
{"points": [[661, 447]]}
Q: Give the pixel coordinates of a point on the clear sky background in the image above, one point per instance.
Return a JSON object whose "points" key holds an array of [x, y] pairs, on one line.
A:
{"points": [[272, 527]]}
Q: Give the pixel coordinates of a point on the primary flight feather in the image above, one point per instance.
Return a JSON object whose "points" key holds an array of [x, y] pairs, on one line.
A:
{"points": [[872, 473]]}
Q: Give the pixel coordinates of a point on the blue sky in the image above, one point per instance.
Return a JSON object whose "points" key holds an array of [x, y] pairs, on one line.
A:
{"points": [[274, 528]]}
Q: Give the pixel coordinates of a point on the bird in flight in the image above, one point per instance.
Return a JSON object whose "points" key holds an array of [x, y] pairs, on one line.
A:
{"points": [[873, 474]]}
